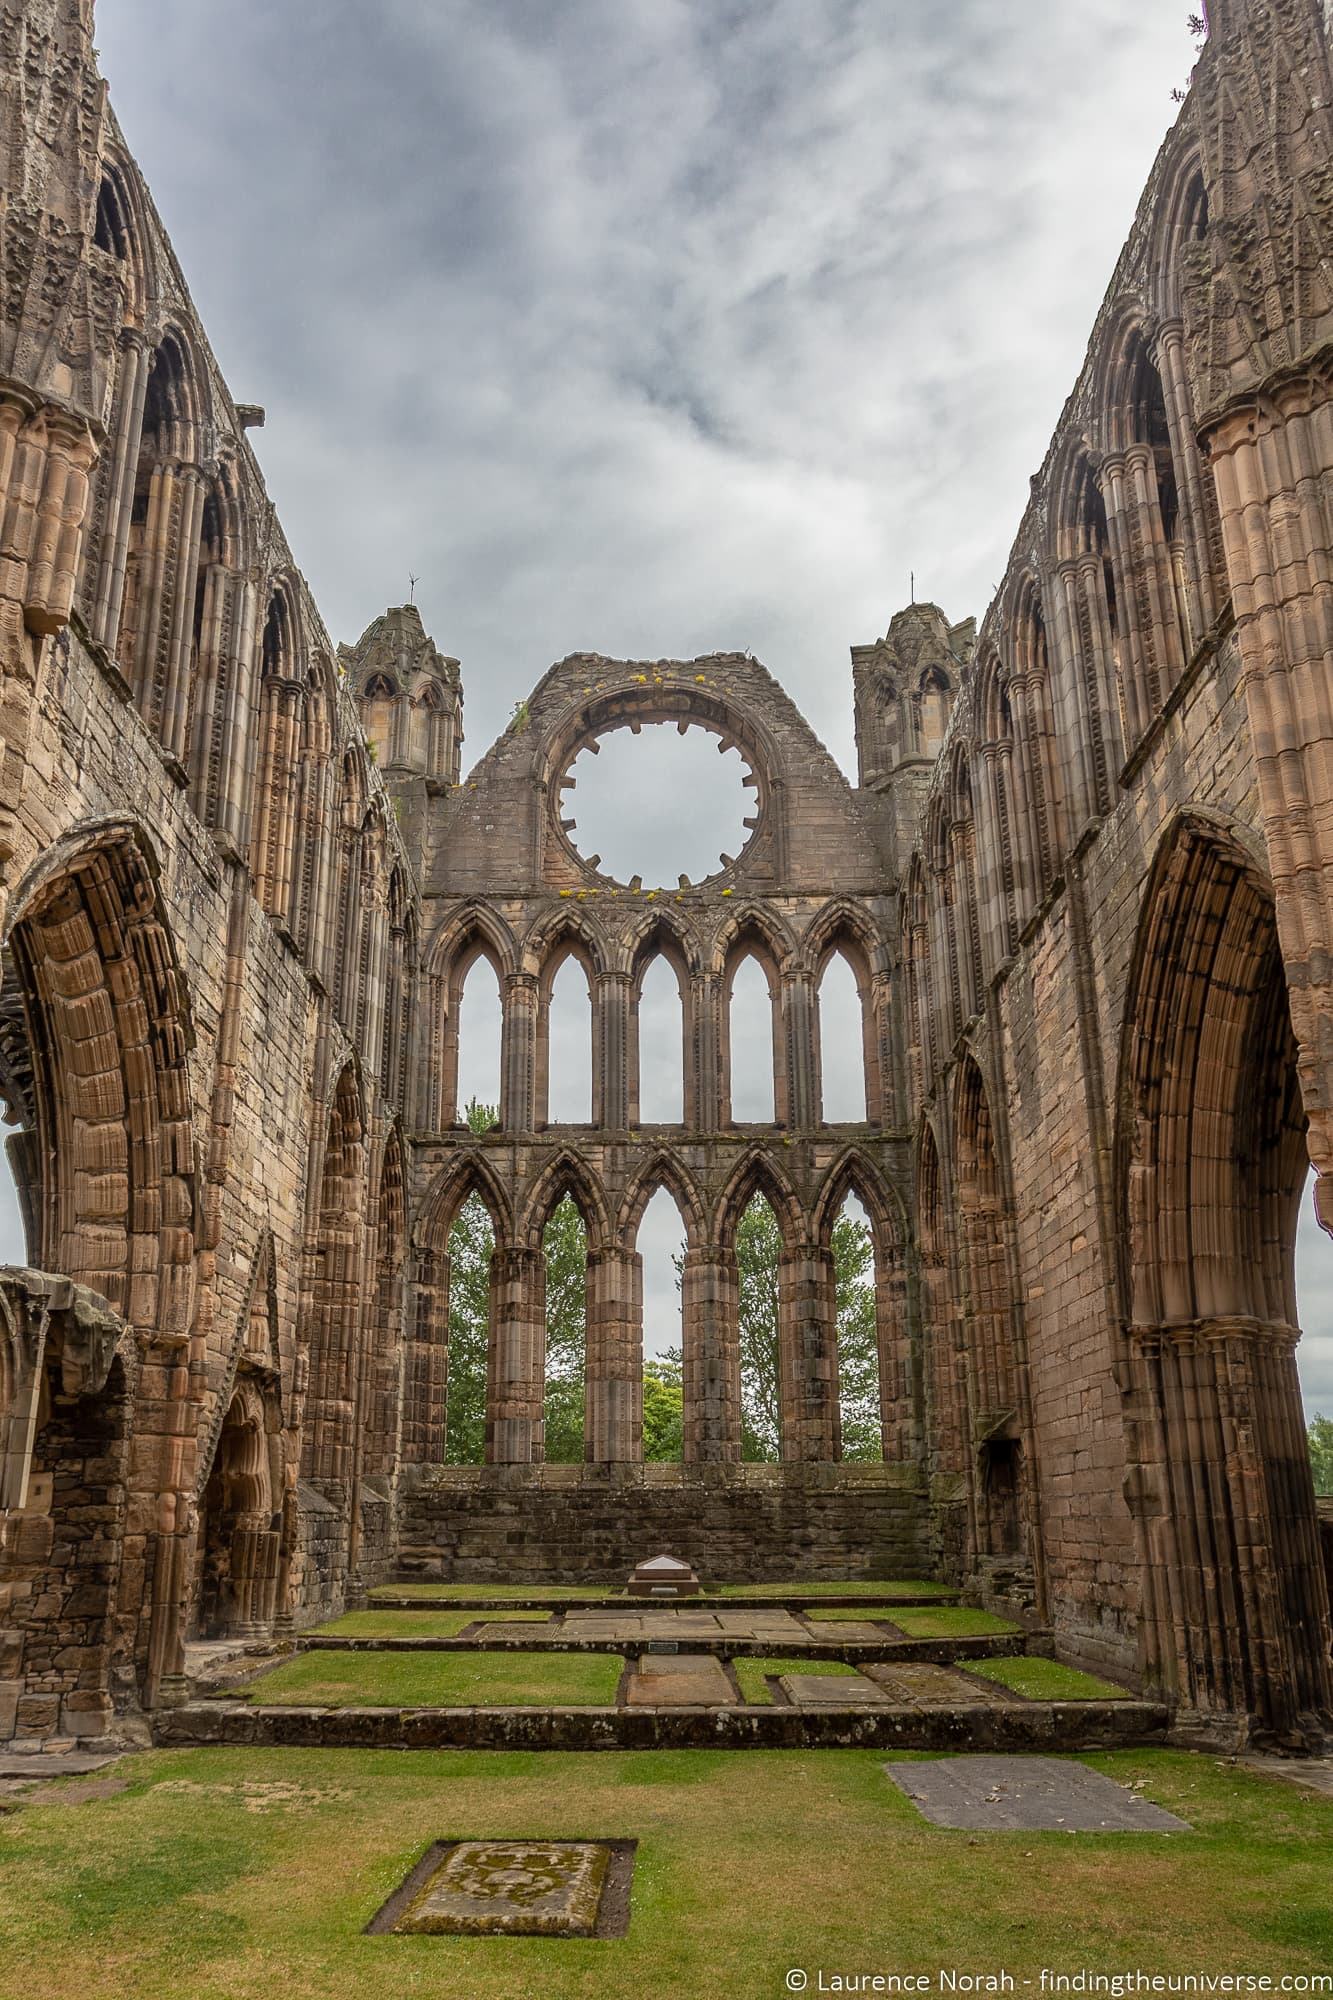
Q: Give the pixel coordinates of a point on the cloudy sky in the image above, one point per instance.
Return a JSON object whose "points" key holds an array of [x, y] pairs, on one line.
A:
{"points": [[649, 326]]}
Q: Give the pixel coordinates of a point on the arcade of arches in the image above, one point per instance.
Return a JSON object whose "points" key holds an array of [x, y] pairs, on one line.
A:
{"points": [[1074, 920]]}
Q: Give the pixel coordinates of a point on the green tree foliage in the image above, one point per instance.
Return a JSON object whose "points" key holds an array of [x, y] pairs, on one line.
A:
{"points": [[471, 1243], [1320, 1434], [758, 1250], [565, 1242], [663, 1408]]}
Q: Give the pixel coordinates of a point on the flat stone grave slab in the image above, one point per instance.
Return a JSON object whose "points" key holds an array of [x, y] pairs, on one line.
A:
{"points": [[1027, 1795], [514, 1888], [832, 1691], [853, 1629], [679, 1680], [916, 1684], [759, 1625], [512, 1628]]}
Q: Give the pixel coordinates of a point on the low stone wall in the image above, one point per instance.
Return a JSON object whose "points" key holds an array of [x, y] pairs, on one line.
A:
{"points": [[733, 1523], [1030, 1725]]}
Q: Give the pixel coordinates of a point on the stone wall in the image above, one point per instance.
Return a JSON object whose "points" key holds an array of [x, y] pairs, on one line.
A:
{"points": [[593, 1524]]}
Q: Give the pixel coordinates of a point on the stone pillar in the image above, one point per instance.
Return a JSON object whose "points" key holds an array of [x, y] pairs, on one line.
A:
{"points": [[515, 1372], [1236, 1606], [518, 1054], [808, 1344], [800, 1014], [613, 1432], [707, 1091], [426, 1364], [899, 1427], [127, 436], [610, 1079], [1076, 686], [710, 1287], [1194, 512]]}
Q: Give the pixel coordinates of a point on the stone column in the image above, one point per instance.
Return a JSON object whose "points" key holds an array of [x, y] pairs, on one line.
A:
{"points": [[800, 1015], [610, 1081], [707, 1092], [613, 1432], [127, 436], [710, 1287], [1194, 511], [808, 1342], [899, 1428], [515, 1373], [518, 1053], [426, 1364], [1237, 1609]]}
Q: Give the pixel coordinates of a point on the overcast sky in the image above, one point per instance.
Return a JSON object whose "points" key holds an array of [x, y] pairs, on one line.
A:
{"points": [[649, 326]]}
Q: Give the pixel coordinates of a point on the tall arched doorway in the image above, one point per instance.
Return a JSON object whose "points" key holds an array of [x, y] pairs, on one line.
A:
{"points": [[1212, 1164]]}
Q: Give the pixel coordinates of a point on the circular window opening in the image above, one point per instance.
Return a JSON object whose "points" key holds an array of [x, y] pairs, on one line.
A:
{"points": [[658, 804]]}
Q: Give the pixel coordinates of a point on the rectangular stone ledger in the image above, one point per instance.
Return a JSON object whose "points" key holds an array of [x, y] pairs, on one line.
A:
{"points": [[523, 1888]]}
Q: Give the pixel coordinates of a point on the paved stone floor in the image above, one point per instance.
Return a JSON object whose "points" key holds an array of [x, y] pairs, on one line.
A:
{"points": [[1027, 1795], [661, 1622], [1314, 1773]]}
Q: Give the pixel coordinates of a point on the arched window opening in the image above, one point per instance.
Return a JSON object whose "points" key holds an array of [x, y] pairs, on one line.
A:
{"points": [[841, 1044], [933, 699], [569, 1046], [751, 1044], [111, 231], [857, 1321], [661, 1245], [758, 1260], [660, 1037], [565, 1254], [480, 1015], [471, 1265]]}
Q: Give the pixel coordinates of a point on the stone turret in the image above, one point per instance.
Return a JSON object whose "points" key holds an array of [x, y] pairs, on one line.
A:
{"points": [[409, 696], [904, 687]]}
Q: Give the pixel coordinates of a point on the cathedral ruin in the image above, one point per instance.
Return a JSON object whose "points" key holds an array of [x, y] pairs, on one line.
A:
{"points": [[1084, 884]]}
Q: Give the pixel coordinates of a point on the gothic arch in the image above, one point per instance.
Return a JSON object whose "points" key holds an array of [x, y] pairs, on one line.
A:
{"points": [[855, 1173], [471, 1174], [98, 968], [758, 1174], [567, 1174], [662, 1170], [1211, 1160]]}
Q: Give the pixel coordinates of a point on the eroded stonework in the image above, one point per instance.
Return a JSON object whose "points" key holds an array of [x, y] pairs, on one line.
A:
{"points": [[1084, 885]]}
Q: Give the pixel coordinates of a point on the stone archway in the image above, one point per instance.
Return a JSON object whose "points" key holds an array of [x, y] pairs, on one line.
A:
{"points": [[1212, 1163]]}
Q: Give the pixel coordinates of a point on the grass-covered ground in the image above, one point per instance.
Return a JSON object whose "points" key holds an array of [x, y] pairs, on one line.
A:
{"points": [[240, 1875], [951, 1621], [497, 1593], [883, 1593], [750, 1674], [1046, 1680], [421, 1624], [441, 1680]]}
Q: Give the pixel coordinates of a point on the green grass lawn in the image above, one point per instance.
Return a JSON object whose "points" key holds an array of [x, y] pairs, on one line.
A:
{"points": [[237, 1875], [750, 1674], [883, 1593], [848, 1614], [431, 1593], [951, 1621], [1046, 1680], [441, 1680], [421, 1624]]}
